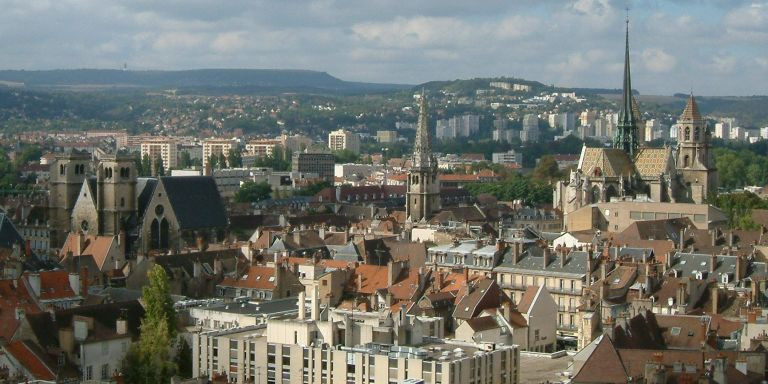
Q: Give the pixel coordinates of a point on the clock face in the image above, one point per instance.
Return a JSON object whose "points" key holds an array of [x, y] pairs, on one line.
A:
{"points": [[84, 225], [159, 210]]}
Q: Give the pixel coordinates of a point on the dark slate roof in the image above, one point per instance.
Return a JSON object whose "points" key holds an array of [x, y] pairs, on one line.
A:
{"points": [[195, 201], [532, 260], [186, 261], [144, 186], [8, 233], [688, 264], [92, 187]]}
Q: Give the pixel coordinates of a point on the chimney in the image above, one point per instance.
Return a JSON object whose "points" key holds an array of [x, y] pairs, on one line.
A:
{"points": [[740, 266], [296, 236], [315, 306], [302, 307], [604, 269], [34, 283], [681, 294], [201, 243], [714, 237], [603, 290], [466, 276], [27, 248], [751, 316], [80, 243], [681, 241], [563, 256], [390, 273], [590, 266], [516, 253], [730, 238], [74, 283], [217, 269], [121, 325], [121, 241], [197, 268], [84, 281], [438, 281], [712, 263], [359, 282], [714, 297], [545, 256]]}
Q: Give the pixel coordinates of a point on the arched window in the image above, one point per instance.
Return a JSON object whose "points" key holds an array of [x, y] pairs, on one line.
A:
{"points": [[687, 133], [686, 160], [122, 201], [61, 169]]}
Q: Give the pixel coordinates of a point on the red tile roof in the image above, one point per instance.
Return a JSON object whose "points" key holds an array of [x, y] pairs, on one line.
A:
{"points": [[30, 360], [96, 246], [54, 285], [255, 278], [12, 298], [374, 278]]}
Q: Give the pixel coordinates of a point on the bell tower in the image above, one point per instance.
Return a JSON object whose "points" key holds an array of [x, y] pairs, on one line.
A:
{"points": [[694, 155], [67, 172], [116, 197], [423, 196]]}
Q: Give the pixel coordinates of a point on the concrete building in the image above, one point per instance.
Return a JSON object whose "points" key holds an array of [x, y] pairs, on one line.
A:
{"points": [[216, 147], [530, 132], [386, 136], [510, 158], [616, 216], [342, 139], [163, 147], [457, 126], [261, 147], [349, 346], [321, 163]]}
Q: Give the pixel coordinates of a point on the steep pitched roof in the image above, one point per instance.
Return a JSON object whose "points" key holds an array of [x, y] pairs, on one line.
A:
{"points": [[691, 111], [255, 278], [653, 162], [96, 246], [196, 201], [8, 233], [374, 277], [32, 359], [606, 162], [483, 323], [604, 365], [483, 294], [528, 296], [14, 297]]}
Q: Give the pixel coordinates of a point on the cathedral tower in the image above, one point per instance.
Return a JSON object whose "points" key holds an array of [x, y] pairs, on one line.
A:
{"points": [[67, 172], [625, 136], [423, 197], [116, 179], [694, 156]]}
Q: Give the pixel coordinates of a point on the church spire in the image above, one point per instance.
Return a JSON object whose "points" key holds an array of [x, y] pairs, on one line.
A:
{"points": [[422, 148], [626, 131]]}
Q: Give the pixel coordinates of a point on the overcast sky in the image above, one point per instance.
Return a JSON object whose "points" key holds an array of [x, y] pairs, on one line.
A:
{"points": [[713, 47]]}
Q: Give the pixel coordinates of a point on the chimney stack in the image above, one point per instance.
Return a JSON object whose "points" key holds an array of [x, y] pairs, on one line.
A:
{"points": [[714, 237], [715, 297], [80, 243], [302, 307], [712, 263], [563, 256], [730, 238], [740, 267], [516, 253], [545, 254], [315, 306]]}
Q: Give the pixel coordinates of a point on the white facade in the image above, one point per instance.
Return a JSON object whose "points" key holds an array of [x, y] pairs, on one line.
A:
{"points": [[216, 147], [510, 158], [166, 149], [343, 139]]}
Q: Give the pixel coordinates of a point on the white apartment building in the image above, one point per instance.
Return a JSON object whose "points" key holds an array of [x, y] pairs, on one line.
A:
{"points": [[339, 346], [457, 126], [262, 147], [165, 148], [530, 132], [510, 158], [216, 147], [343, 139]]}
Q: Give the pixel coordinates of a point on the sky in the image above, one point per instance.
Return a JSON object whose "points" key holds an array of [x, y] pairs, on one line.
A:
{"points": [[709, 47]]}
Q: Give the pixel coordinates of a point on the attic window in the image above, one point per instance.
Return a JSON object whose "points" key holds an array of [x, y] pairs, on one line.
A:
{"points": [[703, 263], [690, 333], [466, 309], [245, 277], [258, 277], [271, 279], [675, 331], [616, 280], [682, 262]]}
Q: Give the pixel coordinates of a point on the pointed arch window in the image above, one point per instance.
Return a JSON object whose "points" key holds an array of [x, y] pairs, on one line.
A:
{"points": [[687, 133]]}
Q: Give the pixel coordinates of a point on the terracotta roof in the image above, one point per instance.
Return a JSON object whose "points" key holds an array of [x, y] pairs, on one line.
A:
{"points": [[374, 278], [407, 288], [604, 365], [24, 353], [328, 263], [55, 285], [13, 298], [517, 320], [96, 246], [691, 111], [255, 278], [484, 323], [527, 299], [485, 293], [723, 326]]}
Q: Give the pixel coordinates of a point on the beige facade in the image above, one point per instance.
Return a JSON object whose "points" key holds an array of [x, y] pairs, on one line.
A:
{"points": [[68, 172], [342, 139], [261, 148], [165, 148], [216, 147], [616, 216]]}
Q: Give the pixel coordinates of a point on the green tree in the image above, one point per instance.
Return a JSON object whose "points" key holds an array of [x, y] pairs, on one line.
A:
{"points": [[313, 189], [346, 156], [28, 154], [738, 207], [251, 192], [158, 166], [222, 161], [185, 160], [235, 158], [546, 169], [148, 360], [184, 359], [213, 161], [146, 165]]}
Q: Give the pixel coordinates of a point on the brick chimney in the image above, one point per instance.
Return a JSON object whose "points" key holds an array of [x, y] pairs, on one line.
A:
{"points": [[712, 263], [715, 298], [545, 256], [740, 268], [516, 253]]}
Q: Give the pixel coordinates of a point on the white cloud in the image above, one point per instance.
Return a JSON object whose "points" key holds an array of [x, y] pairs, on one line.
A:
{"points": [[657, 60]]}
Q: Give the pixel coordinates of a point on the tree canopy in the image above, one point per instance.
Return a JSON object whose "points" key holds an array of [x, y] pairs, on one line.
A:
{"points": [[251, 192]]}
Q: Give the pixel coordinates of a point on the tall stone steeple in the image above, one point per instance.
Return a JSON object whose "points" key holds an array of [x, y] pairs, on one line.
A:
{"points": [[423, 196], [694, 156], [626, 130]]}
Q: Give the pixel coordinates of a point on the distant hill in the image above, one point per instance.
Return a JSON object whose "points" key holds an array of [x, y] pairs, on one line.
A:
{"points": [[223, 80]]}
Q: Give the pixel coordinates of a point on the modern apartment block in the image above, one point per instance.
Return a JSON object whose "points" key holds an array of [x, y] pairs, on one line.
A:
{"points": [[342, 139], [321, 163], [163, 147], [216, 147], [457, 126], [261, 147], [343, 346]]}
